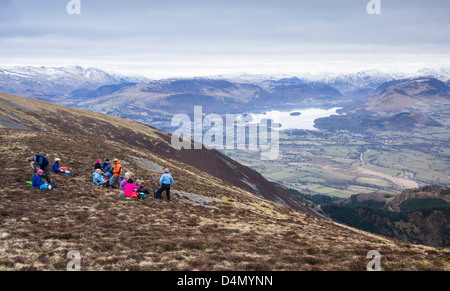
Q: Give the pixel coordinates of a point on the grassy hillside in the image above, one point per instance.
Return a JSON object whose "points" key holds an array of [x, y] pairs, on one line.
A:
{"points": [[22, 113], [209, 225]]}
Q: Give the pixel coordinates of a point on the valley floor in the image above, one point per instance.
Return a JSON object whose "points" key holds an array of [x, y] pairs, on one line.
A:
{"points": [[344, 164]]}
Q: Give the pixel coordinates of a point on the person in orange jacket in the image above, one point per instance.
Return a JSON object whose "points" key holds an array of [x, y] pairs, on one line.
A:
{"points": [[117, 173]]}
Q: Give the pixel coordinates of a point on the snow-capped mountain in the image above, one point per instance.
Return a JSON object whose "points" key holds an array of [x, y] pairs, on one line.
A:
{"points": [[54, 81], [344, 82]]}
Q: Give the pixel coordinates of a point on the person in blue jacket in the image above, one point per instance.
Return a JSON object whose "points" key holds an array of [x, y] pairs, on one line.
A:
{"points": [[38, 183], [56, 168], [98, 178], [43, 164], [165, 182], [107, 168]]}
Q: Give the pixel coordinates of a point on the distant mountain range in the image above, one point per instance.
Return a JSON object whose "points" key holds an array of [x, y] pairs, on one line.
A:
{"points": [[155, 101], [48, 82], [64, 80]]}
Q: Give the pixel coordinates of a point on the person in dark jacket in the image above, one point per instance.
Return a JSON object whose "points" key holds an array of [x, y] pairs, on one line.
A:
{"points": [[143, 192], [56, 169], [107, 168], [98, 166], [43, 164]]}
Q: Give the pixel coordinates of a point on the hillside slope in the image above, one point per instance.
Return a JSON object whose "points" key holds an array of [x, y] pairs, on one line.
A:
{"points": [[419, 215], [406, 94], [21, 113], [209, 225]]}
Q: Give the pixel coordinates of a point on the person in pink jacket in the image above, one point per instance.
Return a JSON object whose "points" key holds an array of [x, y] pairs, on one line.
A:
{"points": [[129, 188]]}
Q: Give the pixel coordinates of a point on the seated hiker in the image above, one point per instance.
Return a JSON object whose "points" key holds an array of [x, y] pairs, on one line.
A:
{"points": [[98, 165], [60, 170], [129, 188], [143, 192], [165, 182], [98, 178], [125, 181], [106, 168], [117, 172], [39, 183], [43, 164], [55, 168]]}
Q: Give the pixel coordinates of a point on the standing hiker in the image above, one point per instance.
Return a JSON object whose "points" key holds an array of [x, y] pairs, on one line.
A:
{"points": [[43, 163], [116, 173], [165, 182]]}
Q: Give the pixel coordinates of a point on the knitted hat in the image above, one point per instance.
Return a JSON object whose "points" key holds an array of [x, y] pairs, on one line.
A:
{"points": [[98, 161], [40, 172]]}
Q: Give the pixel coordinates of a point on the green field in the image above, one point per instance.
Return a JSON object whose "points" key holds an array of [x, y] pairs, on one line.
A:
{"points": [[330, 163]]}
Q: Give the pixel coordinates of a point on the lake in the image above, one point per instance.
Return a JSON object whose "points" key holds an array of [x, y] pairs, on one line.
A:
{"points": [[295, 119]]}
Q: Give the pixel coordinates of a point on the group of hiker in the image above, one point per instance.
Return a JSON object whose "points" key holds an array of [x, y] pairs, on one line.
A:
{"points": [[110, 174], [44, 172], [105, 174]]}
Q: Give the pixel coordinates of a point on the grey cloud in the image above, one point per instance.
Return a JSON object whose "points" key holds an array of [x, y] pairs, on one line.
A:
{"points": [[184, 30]]}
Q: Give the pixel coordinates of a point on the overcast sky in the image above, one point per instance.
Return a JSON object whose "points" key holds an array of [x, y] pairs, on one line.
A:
{"points": [[164, 38]]}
